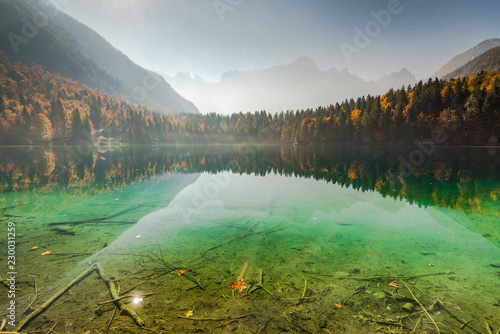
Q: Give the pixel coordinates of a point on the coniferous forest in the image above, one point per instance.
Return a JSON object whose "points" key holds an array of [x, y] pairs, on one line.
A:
{"points": [[39, 107]]}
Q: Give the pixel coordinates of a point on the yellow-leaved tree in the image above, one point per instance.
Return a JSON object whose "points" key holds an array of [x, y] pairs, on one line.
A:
{"points": [[42, 129]]}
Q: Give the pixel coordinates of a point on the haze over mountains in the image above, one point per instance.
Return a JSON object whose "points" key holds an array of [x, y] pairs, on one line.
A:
{"points": [[35, 32], [301, 85], [298, 85]]}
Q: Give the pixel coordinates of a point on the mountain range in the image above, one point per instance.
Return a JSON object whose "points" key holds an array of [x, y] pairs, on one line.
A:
{"points": [[298, 85], [35, 32], [302, 85]]}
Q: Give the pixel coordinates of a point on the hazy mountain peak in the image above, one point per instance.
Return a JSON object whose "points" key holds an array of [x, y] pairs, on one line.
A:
{"points": [[467, 56], [395, 80], [305, 63], [297, 85], [345, 71], [189, 77], [405, 71]]}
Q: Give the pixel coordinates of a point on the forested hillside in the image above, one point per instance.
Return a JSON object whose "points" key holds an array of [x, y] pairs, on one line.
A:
{"points": [[24, 38], [38, 107], [36, 32], [488, 61]]}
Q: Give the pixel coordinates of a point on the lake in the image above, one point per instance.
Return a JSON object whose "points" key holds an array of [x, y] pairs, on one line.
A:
{"points": [[251, 239]]}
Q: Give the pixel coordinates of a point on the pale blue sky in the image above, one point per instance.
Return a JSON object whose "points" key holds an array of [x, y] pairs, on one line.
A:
{"points": [[189, 35]]}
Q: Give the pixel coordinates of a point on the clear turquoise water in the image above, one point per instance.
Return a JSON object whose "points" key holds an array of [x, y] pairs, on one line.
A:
{"points": [[339, 221]]}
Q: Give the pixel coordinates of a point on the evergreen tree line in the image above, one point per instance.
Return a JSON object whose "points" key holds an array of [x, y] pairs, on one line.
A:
{"points": [[38, 107], [464, 111]]}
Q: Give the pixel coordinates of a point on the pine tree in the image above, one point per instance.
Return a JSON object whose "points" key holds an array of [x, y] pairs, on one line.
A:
{"points": [[95, 110], [2, 102], [21, 127], [55, 110], [76, 126], [37, 109], [295, 132], [22, 99], [88, 128]]}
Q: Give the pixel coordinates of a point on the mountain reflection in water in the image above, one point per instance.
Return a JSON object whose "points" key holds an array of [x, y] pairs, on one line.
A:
{"points": [[461, 178], [329, 215]]}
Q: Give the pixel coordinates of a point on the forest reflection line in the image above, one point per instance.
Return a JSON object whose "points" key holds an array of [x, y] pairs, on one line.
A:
{"points": [[463, 179]]}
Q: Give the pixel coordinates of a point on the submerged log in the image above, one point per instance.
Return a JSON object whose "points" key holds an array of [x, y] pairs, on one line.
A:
{"points": [[112, 290], [91, 221], [52, 299], [100, 219], [119, 303]]}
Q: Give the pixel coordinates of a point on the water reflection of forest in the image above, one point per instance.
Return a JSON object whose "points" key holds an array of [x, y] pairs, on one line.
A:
{"points": [[461, 178]]}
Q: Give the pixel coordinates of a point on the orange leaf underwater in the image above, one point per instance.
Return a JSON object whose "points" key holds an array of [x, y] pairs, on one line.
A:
{"points": [[395, 285], [237, 286], [180, 272]]}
